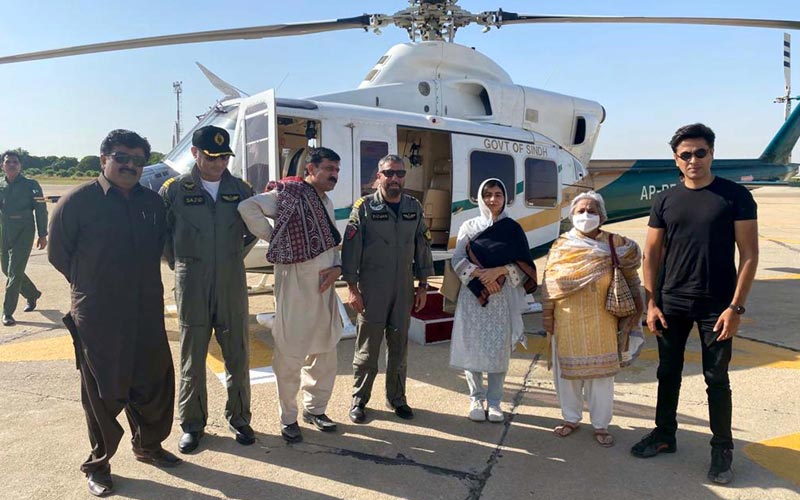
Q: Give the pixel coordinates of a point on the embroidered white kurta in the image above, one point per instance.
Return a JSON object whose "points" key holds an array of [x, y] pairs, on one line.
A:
{"points": [[483, 337]]}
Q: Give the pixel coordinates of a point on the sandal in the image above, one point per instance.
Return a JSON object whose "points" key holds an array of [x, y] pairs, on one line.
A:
{"points": [[603, 438], [565, 429]]}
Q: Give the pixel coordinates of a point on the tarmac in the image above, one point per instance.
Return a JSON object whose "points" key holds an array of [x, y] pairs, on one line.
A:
{"points": [[439, 454]]}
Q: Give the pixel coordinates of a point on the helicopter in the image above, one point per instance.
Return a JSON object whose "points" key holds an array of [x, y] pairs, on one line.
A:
{"points": [[454, 114]]}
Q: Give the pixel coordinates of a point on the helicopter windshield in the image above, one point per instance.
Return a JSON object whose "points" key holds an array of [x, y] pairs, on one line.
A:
{"points": [[180, 158]]}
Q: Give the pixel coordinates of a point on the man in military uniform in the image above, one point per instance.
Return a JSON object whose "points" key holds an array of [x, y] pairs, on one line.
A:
{"points": [[205, 246], [20, 199], [386, 245]]}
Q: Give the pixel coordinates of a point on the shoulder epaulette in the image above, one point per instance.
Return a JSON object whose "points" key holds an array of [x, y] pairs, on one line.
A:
{"points": [[359, 202], [168, 182]]}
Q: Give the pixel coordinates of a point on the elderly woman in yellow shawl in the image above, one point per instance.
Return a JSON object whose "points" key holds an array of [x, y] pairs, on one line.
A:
{"points": [[584, 336]]}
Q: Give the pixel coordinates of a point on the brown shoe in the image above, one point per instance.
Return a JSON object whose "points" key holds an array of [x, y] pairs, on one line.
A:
{"points": [[160, 458]]}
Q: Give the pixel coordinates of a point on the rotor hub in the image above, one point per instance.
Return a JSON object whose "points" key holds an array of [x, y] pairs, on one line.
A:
{"points": [[429, 20]]}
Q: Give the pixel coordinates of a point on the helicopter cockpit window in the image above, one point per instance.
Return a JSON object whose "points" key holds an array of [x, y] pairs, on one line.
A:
{"points": [[371, 153], [256, 136], [484, 165], [541, 183]]}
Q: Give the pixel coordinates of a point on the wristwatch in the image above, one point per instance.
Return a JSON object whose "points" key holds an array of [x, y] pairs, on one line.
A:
{"points": [[737, 309], [423, 285]]}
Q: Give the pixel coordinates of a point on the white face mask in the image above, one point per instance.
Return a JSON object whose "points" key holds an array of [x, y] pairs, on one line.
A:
{"points": [[586, 222]]}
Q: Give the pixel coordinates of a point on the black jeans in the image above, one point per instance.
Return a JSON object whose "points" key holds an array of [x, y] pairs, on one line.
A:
{"points": [[716, 357]]}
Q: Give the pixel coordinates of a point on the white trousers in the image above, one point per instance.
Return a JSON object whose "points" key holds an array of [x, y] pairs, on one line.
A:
{"points": [[598, 392], [314, 374]]}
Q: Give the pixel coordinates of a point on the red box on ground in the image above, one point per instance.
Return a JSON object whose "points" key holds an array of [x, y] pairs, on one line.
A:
{"points": [[431, 325]]}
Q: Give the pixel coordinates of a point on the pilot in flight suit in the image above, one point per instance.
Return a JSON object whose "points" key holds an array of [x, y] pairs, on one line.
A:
{"points": [[386, 245], [205, 246]]}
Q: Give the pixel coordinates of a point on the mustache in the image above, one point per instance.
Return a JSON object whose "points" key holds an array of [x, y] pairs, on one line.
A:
{"points": [[333, 179], [128, 170]]}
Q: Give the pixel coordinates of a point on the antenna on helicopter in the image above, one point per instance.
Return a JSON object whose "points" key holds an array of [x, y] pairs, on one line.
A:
{"points": [[177, 133]]}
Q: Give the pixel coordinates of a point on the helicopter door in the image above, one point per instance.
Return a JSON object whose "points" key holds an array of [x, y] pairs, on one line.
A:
{"points": [[371, 142], [256, 140]]}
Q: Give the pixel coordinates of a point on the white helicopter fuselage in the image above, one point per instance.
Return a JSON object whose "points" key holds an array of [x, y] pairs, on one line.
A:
{"points": [[453, 114]]}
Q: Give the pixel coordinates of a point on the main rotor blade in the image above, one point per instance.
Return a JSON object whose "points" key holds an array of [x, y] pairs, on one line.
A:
{"points": [[273, 30], [513, 18]]}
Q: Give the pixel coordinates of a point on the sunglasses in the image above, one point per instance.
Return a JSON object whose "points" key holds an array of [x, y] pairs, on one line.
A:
{"points": [[125, 158], [698, 153], [392, 173]]}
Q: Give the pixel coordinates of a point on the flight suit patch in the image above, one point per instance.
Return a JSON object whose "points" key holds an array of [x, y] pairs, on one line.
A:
{"points": [[428, 235], [351, 231], [409, 215], [231, 198], [194, 200], [380, 216], [188, 185]]}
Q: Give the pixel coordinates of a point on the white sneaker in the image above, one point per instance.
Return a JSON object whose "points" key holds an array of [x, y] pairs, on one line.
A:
{"points": [[496, 414], [476, 411]]}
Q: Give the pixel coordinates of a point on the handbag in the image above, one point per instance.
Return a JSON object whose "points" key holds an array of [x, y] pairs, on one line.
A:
{"points": [[451, 286], [619, 299]]}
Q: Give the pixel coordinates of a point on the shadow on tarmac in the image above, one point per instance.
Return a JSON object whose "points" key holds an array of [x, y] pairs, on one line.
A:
{"points": [[230, 485]]}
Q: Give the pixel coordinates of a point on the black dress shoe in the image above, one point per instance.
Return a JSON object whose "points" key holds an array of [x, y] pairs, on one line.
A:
{"points": [[100, 483], [358, 414], [321, 422], [8, 320], [243, 434], [189, 441], [291, 433], [31, 304], [160, 457], [403, 411]]}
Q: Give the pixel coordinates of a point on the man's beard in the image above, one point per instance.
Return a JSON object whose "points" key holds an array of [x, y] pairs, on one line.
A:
{"points": [[393, 191]]}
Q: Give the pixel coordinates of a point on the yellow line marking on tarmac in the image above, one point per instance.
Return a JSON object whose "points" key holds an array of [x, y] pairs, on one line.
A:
{"points": [[260, 361], [788, 276], [779, 455], [52, 349], [746, 354], [60, 348]]}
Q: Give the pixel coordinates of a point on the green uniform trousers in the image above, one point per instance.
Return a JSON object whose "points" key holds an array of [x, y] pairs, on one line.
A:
{"points": [[193, 396], [16, 249], [385, 314]]}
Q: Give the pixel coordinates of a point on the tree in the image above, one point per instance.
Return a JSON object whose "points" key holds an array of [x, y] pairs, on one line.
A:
{"points": [[65, 163], [155, 157], [87, 163]]}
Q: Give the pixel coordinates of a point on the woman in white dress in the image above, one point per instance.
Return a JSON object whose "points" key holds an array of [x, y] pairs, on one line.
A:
{"points": [[494, 265]]}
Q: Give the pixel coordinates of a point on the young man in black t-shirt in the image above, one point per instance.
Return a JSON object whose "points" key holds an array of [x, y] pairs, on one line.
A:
{"points": [[690, 277]]}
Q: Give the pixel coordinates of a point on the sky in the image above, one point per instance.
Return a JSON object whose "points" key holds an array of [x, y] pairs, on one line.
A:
{"points": [[651, 79]]}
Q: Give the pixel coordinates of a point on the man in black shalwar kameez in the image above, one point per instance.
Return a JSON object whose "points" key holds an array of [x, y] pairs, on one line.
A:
{"points": [[106, 239]]}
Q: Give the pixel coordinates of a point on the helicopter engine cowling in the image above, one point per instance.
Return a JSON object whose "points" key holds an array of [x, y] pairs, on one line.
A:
{"points": [[447, 79]]}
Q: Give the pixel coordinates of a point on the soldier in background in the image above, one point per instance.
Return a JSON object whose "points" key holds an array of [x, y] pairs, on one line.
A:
{"points": [[386, 245], [20, 199], [205, 246]]}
